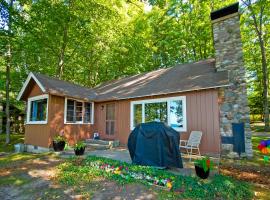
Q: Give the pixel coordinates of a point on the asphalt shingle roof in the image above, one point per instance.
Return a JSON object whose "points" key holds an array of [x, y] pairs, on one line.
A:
{"points": [[181, 78], [65, 88], [185, 77]]}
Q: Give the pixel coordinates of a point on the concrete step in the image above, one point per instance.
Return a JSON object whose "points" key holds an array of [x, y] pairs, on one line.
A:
{"points": [[112, 143], [92, 141], [98, 146]]}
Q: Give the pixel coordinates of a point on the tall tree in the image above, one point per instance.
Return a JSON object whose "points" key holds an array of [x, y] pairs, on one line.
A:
{"points": [[256, 17], [8, 6], [92, 41], [10, 23]]}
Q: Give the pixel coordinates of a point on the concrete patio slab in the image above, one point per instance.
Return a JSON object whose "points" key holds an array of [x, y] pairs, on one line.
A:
{"points": [[115, 154]]}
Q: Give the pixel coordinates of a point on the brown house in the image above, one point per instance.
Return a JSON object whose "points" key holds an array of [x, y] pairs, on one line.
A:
{"points": [[208, 95]]}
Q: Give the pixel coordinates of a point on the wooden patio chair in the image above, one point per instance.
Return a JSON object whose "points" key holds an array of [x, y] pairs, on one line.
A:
{"points": [[192, 143]]}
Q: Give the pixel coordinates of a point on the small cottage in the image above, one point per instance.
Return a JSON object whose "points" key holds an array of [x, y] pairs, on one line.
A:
{"points": [[208, 95]]}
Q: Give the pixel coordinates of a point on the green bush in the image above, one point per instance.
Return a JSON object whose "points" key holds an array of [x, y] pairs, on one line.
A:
{"points": [[204, 163], [79, 145], [59, 138]]}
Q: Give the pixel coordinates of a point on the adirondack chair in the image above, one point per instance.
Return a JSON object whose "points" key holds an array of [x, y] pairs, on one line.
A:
{"points": [[192, 143]]}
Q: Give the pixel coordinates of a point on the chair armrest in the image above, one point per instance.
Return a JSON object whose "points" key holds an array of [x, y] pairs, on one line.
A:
{"points": [[183, 141], [194, 145]]}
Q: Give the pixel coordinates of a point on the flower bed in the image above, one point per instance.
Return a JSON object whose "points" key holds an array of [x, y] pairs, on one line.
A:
{"points": [[79, 172], [125, 173]]}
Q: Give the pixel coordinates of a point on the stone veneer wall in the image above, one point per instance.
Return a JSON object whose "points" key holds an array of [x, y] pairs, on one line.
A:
{"points": [[229, 56]]}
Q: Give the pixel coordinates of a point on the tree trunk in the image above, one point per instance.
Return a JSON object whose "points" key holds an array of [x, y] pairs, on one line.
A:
{"points": [[8, 66], [7, 94], [258, 25], [62, 53], [1, 114], [265, 84]]}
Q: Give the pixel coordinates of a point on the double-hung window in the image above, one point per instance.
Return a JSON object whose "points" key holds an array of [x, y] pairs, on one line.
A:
{"points": [[37, 110], [171, 111], [88, 115], [78, 112]]}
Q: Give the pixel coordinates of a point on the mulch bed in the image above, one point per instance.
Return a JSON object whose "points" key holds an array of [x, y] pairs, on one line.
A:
{"points": [[254, 174]]}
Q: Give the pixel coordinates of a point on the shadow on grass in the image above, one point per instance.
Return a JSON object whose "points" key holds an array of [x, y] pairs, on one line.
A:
{"points": [[14, 139]]}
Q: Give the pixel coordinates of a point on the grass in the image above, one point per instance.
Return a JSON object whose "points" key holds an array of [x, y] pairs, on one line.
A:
{"points": [[76, 172], [16, 180], [12, 159], [261, 192], [258, 126], [14, 139]]}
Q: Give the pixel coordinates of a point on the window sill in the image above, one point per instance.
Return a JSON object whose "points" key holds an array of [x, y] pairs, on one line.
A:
{"points": [[177, 129], [180, 130], [78, 123], [37, 122]]}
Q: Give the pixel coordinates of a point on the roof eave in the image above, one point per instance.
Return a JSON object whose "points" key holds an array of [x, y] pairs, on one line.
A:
{"points": [[70, 96], [165, 93]]}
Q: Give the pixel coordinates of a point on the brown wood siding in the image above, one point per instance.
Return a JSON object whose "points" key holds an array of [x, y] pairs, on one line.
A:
{"points": [[122, 118], [73, 132], [31, 90], [202, 114], [36, 134]]}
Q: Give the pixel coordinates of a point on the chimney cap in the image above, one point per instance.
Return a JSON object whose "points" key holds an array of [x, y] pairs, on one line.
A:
{"points": [[233, 8]]}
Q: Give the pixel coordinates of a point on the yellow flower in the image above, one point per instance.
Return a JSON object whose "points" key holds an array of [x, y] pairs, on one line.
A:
{"points": [[117, 172], [169, 185]]}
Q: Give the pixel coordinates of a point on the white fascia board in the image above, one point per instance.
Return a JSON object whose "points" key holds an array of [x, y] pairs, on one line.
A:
{"points": [[31, 75]]}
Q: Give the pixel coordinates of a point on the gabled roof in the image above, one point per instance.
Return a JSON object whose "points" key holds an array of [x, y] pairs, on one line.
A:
{"points": [[181, 78], [58, 87]]}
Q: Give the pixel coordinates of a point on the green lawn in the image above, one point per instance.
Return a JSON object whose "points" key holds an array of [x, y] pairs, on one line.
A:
{"points": [[258, 127], [14, 139], [14, 158]]}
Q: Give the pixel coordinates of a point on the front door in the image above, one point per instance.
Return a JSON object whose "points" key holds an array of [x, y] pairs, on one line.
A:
{"points": [[110, 119]]}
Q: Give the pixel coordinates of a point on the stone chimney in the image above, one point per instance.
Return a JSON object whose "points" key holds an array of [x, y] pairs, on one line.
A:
{"points": [[229, 56]]}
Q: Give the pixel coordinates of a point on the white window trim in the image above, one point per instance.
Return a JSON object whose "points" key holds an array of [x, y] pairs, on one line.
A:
{"points": [[29, 100], [78, 122], [143, 102]]}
